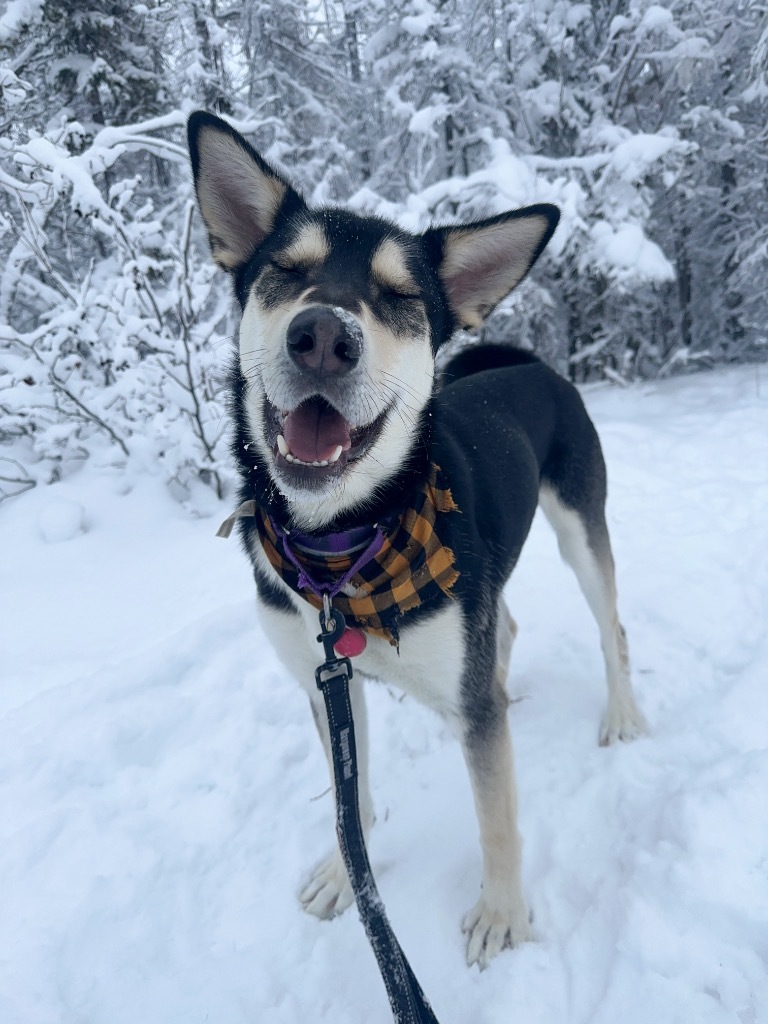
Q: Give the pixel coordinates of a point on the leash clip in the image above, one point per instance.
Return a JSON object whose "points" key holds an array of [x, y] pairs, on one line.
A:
{"points": [[332, 626]]}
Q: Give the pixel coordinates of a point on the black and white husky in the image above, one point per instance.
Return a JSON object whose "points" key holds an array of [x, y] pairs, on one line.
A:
{"points": [[341, 418]]}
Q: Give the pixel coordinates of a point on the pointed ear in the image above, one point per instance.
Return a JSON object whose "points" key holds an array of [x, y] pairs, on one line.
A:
{"points": [[482, 262], [238, 193]]}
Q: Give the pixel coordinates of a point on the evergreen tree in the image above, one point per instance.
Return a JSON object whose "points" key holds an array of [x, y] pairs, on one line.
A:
{"points": [[644, 121]]}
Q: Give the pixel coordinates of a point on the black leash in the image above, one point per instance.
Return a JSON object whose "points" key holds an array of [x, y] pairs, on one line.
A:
{"points": [[409, 1005]]}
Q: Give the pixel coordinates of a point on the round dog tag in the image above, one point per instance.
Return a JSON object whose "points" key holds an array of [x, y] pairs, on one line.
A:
{"points": [[351, 643]]}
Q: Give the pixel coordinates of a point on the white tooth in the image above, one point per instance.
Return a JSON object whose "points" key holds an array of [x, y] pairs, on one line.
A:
{"points": [[289, 457], [335, 455], [323, 463], [315, 463], [282, 446]]}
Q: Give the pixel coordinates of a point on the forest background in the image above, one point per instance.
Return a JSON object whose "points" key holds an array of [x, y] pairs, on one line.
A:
{"points": [[646, 123]]}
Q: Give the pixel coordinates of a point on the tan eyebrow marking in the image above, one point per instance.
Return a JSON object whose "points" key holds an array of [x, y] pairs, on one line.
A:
{"points": [[389, 268], [308, 249]]}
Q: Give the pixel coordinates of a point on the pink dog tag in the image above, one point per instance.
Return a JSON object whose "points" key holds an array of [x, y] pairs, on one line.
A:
{"points": [[351, 643]]}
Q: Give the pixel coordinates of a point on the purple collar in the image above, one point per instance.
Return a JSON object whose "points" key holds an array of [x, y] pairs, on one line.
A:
{"points": [[367, 540], [347, 542]]}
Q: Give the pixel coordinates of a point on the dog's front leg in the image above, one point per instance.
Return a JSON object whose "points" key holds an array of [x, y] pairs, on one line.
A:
{"points": [[328, 891], [500, 917]]}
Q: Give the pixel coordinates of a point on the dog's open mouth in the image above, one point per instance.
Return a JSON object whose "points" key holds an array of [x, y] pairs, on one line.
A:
{"points": [[314, 440]]}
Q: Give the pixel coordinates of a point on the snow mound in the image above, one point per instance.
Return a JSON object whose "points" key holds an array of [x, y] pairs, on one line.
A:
{"points": [[60, 520]]}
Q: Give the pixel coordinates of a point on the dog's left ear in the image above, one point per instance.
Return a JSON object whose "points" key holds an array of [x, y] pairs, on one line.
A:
{"points": [[238, 193], [481, 263]]}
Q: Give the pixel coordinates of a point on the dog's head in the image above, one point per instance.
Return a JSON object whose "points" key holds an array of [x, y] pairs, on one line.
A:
{"points": [[341, 319]]}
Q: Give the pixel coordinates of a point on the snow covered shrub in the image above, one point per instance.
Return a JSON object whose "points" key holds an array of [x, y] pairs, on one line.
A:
{"points": [[110, 312]]}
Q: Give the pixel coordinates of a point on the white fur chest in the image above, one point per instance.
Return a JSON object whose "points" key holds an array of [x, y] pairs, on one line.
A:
{"points": [[428, 665]]}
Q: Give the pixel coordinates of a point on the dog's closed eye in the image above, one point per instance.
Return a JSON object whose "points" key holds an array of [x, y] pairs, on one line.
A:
{"points": [[287, 267], [396, 293]]}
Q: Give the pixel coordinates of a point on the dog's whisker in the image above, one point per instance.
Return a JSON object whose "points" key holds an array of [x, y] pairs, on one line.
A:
{"points": [[406, 385], [403, 393], [408, 389]]}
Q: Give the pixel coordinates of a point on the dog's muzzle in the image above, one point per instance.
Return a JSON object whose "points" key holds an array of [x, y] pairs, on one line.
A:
{"points": [[316, 436], [324, 343]]}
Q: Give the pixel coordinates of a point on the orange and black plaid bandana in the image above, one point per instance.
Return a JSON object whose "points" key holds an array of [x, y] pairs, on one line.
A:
{"points": [[411, 567]]}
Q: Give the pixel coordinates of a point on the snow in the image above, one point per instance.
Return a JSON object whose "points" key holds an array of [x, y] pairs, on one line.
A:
{"points": [[163, 794], [625, 252], [693, 48], [423, 121], [576, 15], [60, 519], [547, 98], [420, 24], [632, 159], [18, 16], [659, 19]]}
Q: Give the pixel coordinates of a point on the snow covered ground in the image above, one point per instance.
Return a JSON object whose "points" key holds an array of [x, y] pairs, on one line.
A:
{"points": [[163, 795]]}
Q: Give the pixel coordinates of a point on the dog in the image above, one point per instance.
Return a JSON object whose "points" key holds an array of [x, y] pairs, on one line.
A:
{"points": [[406, 493]]}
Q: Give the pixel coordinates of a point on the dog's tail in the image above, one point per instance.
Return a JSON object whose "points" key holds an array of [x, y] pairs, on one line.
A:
{"points": [[484, 356]]}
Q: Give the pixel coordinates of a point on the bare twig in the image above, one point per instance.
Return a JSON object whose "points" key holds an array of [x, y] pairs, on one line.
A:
{"points": [[23, 483], [88, 414]]}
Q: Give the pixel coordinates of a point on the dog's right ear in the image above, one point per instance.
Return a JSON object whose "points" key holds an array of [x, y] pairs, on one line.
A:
{"points": [[238, 193]]}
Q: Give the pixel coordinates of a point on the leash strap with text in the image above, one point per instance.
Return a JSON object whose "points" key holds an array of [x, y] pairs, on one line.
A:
{"points": [[409, 1005]]}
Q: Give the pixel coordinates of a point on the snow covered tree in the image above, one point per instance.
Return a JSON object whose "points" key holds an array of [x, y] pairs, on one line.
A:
{"points": [[99, 63], [644, 121], [715, 214], [301, 84], [100, 340], [435, 109]]}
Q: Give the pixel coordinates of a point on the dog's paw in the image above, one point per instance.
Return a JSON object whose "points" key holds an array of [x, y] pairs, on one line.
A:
{"points": [[328, 891], [622, 722], [489, 930]]}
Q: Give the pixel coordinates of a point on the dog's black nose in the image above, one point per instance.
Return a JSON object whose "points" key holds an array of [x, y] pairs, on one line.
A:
{"points": [[321, 342]]}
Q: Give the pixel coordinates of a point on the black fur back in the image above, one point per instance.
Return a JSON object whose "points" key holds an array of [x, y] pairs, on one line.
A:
{"points": [[484, 356]]}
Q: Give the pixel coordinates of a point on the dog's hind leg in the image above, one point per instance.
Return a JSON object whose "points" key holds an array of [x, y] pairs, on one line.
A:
{"points": [[506, 632], [585, 545]]}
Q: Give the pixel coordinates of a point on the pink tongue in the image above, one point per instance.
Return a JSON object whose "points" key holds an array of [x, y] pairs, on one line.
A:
{"points": [[314, 431]]}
